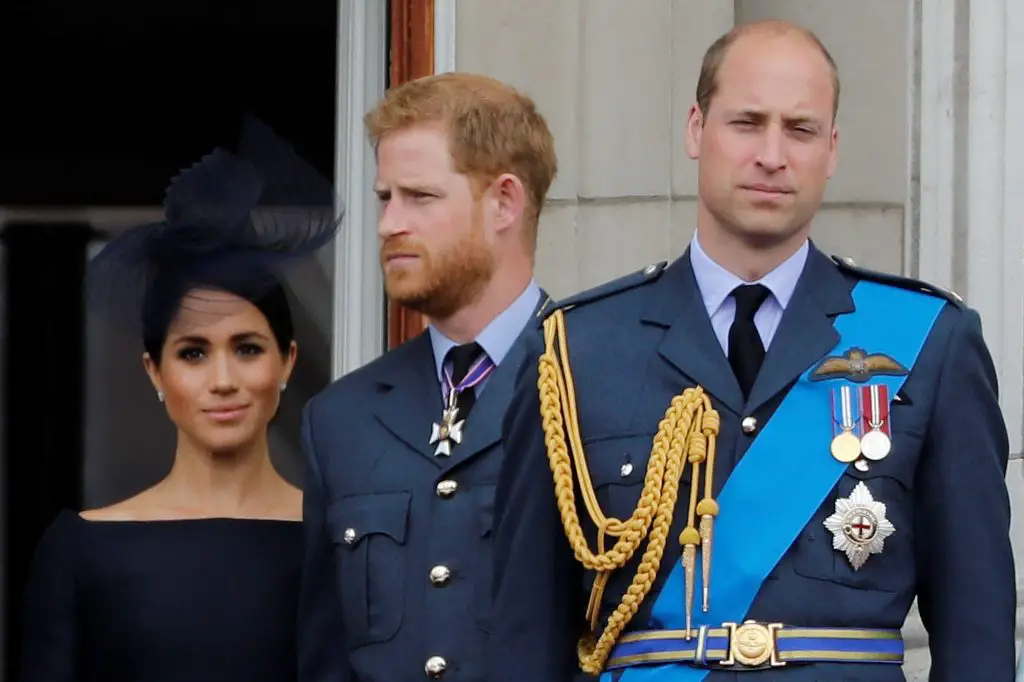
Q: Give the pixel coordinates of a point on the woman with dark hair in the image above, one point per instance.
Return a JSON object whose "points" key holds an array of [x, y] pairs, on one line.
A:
{"points": [[195, 579]]}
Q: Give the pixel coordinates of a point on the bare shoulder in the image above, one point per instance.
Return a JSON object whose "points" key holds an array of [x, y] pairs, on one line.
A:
{"points": [[121, 511], [136, 508], [285, 504]]}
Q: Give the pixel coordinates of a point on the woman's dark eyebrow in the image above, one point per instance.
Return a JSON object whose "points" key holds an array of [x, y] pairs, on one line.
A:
{"points": [[193, 340], [249, 336], [241, 337]]}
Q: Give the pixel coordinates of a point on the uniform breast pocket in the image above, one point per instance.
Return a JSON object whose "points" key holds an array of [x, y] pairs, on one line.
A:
{"points": [[483, 557], [876, 513], [369, 535], [618, 465]]}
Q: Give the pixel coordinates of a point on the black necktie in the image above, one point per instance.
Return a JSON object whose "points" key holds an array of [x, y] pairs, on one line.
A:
{"points": [[746, 351], [462, 358]]}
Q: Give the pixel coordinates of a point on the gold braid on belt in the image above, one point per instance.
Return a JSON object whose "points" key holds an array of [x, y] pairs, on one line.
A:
{"points": [[687, 433]]}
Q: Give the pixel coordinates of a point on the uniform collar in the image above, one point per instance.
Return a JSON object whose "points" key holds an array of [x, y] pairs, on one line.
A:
{"points": [[716, 283], [497, 337]]}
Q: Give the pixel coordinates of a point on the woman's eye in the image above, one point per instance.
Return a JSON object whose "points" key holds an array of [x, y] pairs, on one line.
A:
{"points": [[250, 349], [190, 354]]}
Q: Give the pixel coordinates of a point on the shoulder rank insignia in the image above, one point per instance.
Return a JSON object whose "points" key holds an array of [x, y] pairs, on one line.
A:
{"points": [[857, 365], [847, 265], [859, 527], [543, 307], [615, 286]]}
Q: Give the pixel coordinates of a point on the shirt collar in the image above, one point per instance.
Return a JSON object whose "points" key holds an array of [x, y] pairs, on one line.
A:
{"points": [[716, 283], [497, 337]]}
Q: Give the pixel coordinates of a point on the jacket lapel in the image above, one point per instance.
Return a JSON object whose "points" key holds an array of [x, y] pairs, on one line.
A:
{"points": [[411, 401], [806, 332], [689, 343]]}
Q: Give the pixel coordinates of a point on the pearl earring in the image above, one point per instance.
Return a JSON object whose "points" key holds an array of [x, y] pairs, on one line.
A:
{"points": [[160, 396], [283, 386]]}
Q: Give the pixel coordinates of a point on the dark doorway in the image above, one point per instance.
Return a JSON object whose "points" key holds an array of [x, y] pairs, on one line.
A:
{"points": [[102, 103], [104, 100]]}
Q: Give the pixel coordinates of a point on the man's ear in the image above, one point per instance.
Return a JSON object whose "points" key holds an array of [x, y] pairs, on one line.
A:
{"points": [[509, 197], [694, 132]]}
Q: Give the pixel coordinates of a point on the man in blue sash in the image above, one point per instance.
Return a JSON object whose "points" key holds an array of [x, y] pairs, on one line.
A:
{"points": [[756, 458]]}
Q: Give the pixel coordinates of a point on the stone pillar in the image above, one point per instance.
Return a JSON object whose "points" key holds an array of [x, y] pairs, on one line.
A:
{"points": [[358, 305]]}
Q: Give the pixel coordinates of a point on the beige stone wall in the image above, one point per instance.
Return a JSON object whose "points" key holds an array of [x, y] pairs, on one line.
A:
{"points": [[615, 80]]}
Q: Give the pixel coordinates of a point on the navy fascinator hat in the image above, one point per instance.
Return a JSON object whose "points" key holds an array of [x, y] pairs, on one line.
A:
{"points": [[232, 222]]}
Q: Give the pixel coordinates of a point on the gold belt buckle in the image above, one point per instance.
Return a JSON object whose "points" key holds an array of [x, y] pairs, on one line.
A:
{"points": [[753, 645]]}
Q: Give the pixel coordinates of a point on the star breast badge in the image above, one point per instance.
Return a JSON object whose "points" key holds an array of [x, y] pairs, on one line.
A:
{"points": [[859, 527]]}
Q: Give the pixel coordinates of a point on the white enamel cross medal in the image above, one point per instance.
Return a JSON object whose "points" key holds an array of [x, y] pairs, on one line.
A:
{"points": [[447, 433], [859, 527]]}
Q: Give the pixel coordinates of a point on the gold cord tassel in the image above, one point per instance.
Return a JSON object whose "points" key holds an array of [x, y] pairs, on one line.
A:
{"points": [[707, 509], [683, 436], [706, 535], [689, 538]]}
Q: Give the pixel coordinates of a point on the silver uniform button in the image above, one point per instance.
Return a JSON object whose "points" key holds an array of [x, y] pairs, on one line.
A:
{"points": [[625, 470], [439, 575], [350, 536], [749, 425], [447, 488], [435, 666]]}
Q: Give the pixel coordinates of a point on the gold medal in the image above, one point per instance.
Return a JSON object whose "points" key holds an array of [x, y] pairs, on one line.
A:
{"points": [[846, 445]]}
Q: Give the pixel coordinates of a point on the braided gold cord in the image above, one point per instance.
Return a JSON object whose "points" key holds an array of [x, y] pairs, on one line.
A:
{"points": [[686, 433]]}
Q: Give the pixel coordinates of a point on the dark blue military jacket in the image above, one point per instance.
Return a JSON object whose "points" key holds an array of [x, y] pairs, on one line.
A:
{"points": [[637, 342], [396, 584]]}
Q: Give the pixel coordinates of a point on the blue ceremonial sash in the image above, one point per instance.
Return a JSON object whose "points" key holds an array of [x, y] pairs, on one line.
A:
{"points": [[786, 474]]}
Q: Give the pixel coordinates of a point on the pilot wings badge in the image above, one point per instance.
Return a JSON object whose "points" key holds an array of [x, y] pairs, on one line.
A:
{"points": [[858, 366], [859, 527]]}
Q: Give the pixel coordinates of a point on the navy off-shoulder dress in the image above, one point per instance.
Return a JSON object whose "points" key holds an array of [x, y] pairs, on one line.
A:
{"points": [[210, 600]]}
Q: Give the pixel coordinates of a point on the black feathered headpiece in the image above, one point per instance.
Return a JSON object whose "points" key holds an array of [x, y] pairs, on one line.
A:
{"points": [[231, 222]]}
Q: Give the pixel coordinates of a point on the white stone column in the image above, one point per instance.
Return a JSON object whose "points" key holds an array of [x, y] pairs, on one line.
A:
{"points": [[358, 324], [445, 27], [933, 187], [995, 263], [1011, 355], [967, 179]]}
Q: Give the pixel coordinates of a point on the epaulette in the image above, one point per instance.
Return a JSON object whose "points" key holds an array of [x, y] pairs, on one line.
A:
{"points": [[615, 286], [848, 266]]}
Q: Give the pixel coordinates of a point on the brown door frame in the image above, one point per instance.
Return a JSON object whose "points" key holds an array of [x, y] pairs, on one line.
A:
{"points": [[411, 55]]}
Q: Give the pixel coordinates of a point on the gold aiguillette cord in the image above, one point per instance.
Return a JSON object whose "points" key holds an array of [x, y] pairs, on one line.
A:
{"points": [[689, 420]]}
